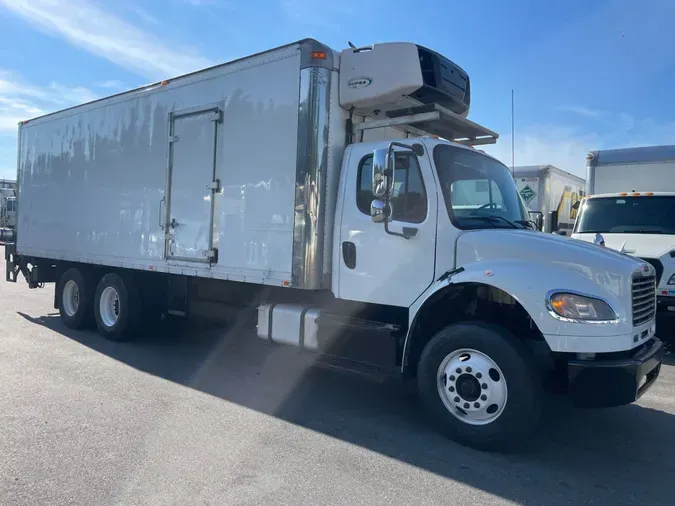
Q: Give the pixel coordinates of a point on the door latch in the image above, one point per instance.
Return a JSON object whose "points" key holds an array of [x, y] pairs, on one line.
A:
{"points": [[215, 185]]}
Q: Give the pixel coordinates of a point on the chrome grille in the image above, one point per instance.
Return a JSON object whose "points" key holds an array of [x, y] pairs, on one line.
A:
{"points": [[644, 298]]}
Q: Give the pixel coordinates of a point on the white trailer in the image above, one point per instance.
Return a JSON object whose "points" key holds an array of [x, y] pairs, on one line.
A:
{"points": [[631, 208], [552, 192], [295, 182]]}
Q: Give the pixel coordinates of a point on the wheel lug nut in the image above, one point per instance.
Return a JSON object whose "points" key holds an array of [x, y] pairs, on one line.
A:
{"points": [[483, 397], [458, 371], [468, 369], [452, 389], [452, 378], [457, 399], [466, 405], [479, 375], [476, 405], [484, 386]]}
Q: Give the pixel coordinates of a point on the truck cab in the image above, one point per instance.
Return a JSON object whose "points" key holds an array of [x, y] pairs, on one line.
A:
{"points": [[639, 224], [438, 229]]}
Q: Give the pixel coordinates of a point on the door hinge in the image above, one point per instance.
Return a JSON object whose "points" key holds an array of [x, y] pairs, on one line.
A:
{"points": [[211, 254], [215, 115], [215, 185], [173, 138]]}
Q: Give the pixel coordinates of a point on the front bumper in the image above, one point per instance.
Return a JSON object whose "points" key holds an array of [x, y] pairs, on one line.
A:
{"points": [[604, 382], [665, 305], [665, 317]]}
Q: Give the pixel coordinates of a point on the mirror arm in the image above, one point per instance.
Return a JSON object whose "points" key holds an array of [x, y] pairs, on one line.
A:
{"points": [[407, 233]]}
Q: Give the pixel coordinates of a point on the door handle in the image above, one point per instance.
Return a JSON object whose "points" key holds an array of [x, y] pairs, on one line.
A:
{"points": [[349, 254], [161, 201], [174, 223]]}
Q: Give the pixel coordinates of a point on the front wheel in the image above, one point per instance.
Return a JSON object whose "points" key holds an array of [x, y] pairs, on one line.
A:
{"points": [[480, 383]]}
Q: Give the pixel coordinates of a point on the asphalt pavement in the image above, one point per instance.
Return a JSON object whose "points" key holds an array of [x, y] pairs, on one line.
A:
{"points": [[216, 416]]}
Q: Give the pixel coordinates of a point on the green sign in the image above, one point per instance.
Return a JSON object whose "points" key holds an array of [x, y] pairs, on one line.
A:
{"points": [[527, 193]]}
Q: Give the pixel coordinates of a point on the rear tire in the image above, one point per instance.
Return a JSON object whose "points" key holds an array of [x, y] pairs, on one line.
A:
{"points": [[117, 306], [75, 297], [481, 385]]}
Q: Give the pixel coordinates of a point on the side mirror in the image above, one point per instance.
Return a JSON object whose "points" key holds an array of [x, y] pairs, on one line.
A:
{"points": [[598, 240], [379, 211], [383, 173], [576, 205], [538, 218]]}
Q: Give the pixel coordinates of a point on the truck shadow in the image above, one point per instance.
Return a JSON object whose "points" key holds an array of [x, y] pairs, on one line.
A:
{"points": [[619, 455]]}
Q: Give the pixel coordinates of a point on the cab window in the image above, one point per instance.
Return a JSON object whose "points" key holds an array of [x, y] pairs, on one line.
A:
{"points": [[409, 199]]}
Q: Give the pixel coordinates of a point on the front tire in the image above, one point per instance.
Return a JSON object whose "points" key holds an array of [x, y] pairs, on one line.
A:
{"points": [[116, 307], [75, 297], [480, 384]]}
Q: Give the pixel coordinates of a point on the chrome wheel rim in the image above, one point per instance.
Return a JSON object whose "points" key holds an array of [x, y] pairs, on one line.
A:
{"points": [[109, 306], [70, 297], [472, 386]]}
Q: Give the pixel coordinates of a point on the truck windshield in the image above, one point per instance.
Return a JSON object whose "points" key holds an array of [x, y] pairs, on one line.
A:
{"points": [[627, 215], [479, 191]]}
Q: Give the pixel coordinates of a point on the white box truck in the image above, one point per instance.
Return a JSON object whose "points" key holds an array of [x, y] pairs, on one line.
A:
{"points": [[631, 208], [552, 192], [337, 194]]}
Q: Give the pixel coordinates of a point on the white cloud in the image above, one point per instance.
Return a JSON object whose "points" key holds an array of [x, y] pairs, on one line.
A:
{"points": [[17, 95], [111, 84], [88, 26], [145, 15], [547, 144], [20, 101], [582, 111], [567, 147]]}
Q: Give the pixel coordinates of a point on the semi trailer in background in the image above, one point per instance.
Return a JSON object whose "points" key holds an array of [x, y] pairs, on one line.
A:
{"points": [[630, 207], [337, 195], [552, 192]]}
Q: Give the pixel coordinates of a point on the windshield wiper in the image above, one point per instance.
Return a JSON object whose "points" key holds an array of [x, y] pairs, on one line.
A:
{"points": [[524, 223], [492, 219]]}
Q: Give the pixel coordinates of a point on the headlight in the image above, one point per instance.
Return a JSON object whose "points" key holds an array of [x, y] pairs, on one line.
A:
{"points": [[671, 281], [580, 307]]}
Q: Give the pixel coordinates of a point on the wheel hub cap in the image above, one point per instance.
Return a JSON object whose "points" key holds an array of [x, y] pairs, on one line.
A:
{"points": [[109, 306], [468, 387], [472, 386], [71, 297]]}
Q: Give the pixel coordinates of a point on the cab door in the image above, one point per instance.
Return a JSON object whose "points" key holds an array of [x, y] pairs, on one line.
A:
{"points": [[374, 266]]}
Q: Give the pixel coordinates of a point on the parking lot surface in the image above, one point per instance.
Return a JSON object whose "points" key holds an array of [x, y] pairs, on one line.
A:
{"points": [[215, 416]]}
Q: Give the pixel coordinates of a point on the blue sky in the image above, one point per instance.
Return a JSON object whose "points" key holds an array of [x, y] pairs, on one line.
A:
{"points": [[587, 74]]}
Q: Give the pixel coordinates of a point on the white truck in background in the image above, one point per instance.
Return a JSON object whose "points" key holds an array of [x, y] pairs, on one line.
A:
{"points": [[551, 192], [7, 209], [316, 188], [630, 207]]}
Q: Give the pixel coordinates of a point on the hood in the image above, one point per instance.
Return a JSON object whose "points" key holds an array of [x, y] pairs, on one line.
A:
{"points": [[590, 261], [639, 245]]}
